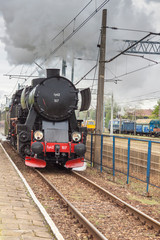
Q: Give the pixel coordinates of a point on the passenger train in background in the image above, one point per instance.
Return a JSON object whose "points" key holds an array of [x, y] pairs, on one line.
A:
{"points": [[90, 125], [42, 122], [149, 127]]}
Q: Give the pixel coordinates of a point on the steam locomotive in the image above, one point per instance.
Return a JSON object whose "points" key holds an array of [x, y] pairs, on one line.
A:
{"points": [[43, 123]]}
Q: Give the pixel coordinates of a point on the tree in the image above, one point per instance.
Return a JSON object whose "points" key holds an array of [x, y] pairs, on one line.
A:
{"points": [[155, 113], [107, 115], [92, 113]]}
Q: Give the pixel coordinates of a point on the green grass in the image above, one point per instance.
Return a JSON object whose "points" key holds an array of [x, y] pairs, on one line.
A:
{"points": [[144, 200]]}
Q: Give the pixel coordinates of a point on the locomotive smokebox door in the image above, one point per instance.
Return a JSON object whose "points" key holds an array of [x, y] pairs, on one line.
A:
{"points": [[55, 98]]}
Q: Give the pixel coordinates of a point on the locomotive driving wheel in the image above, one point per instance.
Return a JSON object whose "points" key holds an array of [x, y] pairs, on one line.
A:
{"points": [[23, 136], [24, 149]]}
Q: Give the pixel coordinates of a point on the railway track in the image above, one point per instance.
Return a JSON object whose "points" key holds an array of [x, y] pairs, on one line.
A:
{"points": [[144, 218], [89, 207], [108, 213], [95, 233]]}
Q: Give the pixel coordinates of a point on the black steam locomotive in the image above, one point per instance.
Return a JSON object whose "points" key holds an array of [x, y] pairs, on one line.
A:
{"points": [[43, 124]]}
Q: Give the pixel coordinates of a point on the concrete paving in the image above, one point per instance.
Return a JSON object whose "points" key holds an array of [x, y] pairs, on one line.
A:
{"points": [[20, 218]]}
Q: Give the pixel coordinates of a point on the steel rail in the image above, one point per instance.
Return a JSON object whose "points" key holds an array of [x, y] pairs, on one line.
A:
{"points": [[144, 218], [97, 235]]}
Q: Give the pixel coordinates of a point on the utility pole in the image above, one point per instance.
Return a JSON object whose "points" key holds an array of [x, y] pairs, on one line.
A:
{"points": [[111, 129], [64, 65], [101, 73], [100, 91], [120, 124], [135, 122], [72, 73]]}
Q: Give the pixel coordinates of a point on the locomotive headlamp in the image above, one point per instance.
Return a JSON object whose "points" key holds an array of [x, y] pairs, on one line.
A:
{"points": [[38, 135], [76, 136]]}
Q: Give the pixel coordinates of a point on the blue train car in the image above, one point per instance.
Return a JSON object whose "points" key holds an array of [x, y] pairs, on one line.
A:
{"points": [[155, 127], [147, 126], [143, 126], [127, 126], [154, 124], [116, 123], [139, 128]]}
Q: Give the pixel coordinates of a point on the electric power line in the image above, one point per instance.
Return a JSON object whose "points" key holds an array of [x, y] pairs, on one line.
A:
{"points": [[132, 30], [139, 100], [73, 20], [76, 30], [140, 56], [136, 70], [73, 32]]}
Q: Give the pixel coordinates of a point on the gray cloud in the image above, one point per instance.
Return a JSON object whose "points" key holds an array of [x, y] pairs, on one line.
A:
{"points": [[148, 1], [31, 24]]}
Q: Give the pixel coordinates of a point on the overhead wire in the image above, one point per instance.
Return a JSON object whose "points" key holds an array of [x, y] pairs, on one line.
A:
{"points": [[16, 82], [62, 32], [98, 55], [140, 56], [121, 53], [136, 70], [139, 100], [119, 76], [114, 28], [72, 21], [148, 93], [73, 33], [132, 30], [76, 30], [12, 69]]}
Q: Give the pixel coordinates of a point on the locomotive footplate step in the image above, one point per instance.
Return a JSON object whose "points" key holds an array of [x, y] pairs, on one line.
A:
{"points": [[35, 162], [79, 162], [20, 217]]}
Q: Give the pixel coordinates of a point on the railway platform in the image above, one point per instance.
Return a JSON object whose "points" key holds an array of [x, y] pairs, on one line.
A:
{"points": [[20, 218]]}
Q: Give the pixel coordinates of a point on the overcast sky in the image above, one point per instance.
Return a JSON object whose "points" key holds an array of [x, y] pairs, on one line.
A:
{"points": [[27, 29]]}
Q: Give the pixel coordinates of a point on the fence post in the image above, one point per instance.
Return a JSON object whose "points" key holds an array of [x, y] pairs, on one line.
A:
{"points": [[128, 162], [91, 149], [148, 164], [101, 150], [113, 156]]}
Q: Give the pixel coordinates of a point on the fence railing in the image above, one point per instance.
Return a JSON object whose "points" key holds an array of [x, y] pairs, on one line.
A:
{"points": [[134, 157]]}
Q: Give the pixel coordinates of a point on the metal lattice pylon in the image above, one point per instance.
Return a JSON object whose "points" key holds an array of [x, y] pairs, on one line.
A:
{"points": [[144, 47]]}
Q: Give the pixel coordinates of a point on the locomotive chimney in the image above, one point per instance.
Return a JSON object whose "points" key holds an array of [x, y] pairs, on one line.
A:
{"points": [[53, 72]]}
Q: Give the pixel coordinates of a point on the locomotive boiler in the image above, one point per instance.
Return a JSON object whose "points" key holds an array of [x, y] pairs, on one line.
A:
{"points": [[43, 123]]}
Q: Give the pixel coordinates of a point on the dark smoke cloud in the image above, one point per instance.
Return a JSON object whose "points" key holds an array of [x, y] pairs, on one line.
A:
{"points": [[148, 1], [31, 24]]}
